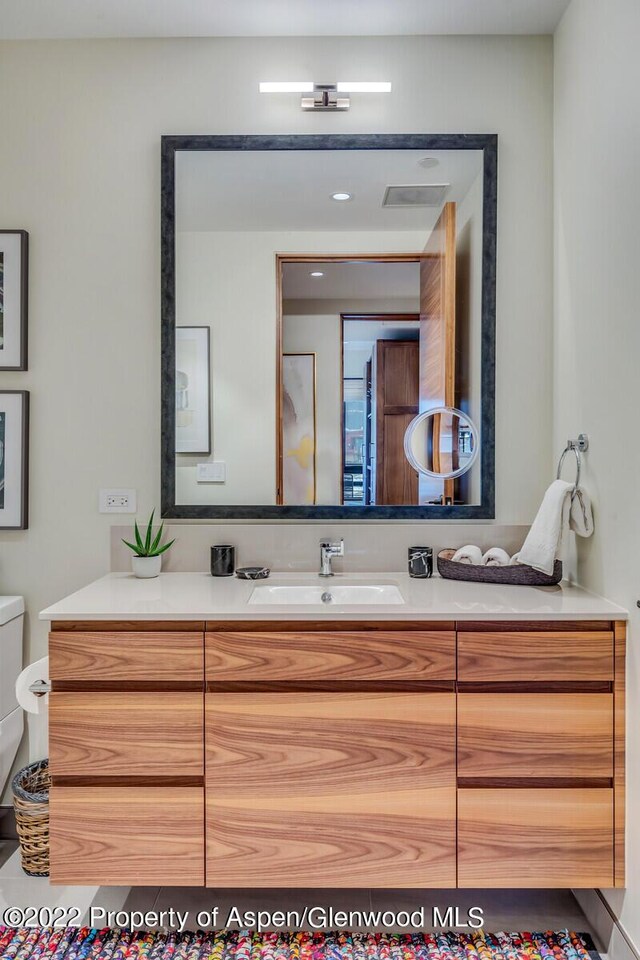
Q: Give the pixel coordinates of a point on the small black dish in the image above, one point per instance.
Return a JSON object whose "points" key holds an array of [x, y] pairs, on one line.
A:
{"points": [[252, 573]]}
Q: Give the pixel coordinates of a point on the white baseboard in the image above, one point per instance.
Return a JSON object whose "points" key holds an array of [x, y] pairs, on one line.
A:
{"points": [[614, 940]]}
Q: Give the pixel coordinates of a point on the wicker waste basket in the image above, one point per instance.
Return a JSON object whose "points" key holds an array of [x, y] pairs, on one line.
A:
{"points": [[31, 803]]}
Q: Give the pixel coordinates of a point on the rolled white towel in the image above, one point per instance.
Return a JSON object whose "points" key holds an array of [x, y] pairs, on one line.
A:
{"points": [[496, 557], [468, 554], [515, 559]]}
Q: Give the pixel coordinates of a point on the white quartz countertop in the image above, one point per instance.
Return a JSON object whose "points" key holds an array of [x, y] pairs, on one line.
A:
{"points": [[199, 596]]}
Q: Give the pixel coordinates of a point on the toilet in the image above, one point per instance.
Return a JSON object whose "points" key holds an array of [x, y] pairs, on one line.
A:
{"points": [[11, 715]]}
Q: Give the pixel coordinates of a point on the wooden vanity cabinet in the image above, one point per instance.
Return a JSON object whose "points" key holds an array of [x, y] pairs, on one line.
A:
{"points": [[328, 754]]}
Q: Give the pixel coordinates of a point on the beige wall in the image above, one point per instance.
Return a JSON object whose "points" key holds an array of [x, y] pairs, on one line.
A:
{"points": [[80, 161], [597, 334]]}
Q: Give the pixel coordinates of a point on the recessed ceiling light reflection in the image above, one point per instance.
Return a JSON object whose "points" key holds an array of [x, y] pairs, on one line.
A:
{"points": [[341, 196]]}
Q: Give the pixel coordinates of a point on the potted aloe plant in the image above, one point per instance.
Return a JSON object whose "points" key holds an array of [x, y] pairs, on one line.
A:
{"points": [[147, 559]]}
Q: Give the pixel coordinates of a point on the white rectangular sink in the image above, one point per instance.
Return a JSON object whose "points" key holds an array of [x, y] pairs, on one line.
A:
{"points": [[326, 596]]}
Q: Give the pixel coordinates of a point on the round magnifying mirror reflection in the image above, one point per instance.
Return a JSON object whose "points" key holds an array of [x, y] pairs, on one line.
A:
{"points": [[442, 442]]}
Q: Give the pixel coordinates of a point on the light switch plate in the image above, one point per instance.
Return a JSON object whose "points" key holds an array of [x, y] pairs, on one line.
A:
{"points": [[118, 500], [215, 472]]}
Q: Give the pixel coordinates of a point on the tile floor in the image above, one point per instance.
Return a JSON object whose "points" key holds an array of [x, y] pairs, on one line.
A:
{"points": [[19, 890], [509, 910], [7, 849]]}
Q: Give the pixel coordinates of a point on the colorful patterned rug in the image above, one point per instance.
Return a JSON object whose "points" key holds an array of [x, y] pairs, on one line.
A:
{"points": [[83, 943]]}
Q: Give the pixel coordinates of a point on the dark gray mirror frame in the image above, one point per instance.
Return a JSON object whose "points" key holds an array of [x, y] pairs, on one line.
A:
{"points": [[488, 143]]}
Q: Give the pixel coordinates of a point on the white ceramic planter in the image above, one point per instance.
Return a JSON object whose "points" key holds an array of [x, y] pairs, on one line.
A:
{"points": [[146, 567]]}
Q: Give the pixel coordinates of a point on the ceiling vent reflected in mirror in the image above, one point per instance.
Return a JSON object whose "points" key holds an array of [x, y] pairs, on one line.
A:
{"points": [[415, 195]]}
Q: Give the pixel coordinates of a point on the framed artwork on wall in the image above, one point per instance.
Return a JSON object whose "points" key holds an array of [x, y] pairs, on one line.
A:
{"points": [[14, 459], [14, 269], [299, 428], [193, 390]]}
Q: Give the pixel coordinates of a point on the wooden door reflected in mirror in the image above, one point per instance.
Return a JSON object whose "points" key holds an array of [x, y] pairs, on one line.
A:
{"points": [[382, 334]]}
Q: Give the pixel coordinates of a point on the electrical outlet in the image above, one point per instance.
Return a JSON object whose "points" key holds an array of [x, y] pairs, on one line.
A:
{"points": [[118, 500]]}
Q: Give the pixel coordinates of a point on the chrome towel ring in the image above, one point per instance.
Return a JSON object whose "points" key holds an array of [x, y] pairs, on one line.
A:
{"points": [[581, 445]]}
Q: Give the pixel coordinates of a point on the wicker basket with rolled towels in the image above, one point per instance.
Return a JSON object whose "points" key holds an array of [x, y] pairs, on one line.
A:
{"points": [[515, 573]]}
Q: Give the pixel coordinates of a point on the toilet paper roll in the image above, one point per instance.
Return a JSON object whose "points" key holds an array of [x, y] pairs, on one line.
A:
{"points": [[37, 708], [28, 700]]}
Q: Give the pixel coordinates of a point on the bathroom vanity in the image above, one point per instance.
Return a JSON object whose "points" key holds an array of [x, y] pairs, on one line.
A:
{"points": [[469, 736]]}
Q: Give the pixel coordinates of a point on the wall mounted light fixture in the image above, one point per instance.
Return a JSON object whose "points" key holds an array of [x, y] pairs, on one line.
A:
{"points": [[325, 96]]}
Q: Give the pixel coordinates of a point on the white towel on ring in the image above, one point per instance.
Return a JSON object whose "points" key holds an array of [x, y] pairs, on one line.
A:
{"points": [[496, 557], [557, 514], [468, 554], [581, 514]]}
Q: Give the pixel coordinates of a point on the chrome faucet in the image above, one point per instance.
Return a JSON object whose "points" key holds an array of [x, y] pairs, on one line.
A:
{"points": [[328, 551]]}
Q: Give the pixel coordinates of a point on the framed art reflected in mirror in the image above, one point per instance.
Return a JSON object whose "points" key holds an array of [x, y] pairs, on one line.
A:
{"points": [[298, 426], [193, 390]]}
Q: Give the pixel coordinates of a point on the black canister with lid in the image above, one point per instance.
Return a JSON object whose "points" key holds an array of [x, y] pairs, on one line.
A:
{"points": [[223, 560], [420, 562]]}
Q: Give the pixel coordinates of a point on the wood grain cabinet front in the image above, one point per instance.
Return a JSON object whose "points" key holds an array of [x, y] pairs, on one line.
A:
{"points": [[535, 838], [127, 754], [535, 735], [116, 733], [127, 836], [149, 656], [535, 655], [330, 789], [541, 756], [382, 655]]}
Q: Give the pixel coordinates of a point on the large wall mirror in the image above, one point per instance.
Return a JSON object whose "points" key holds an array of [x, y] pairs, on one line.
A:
{"points": [[328, 326]]}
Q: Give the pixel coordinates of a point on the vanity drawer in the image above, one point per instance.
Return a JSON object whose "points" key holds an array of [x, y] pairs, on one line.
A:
{"points": [[124, 655], [535, 838], [146, 733], [535, 735], [535, 656], [127, 836], [334, 656]]}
